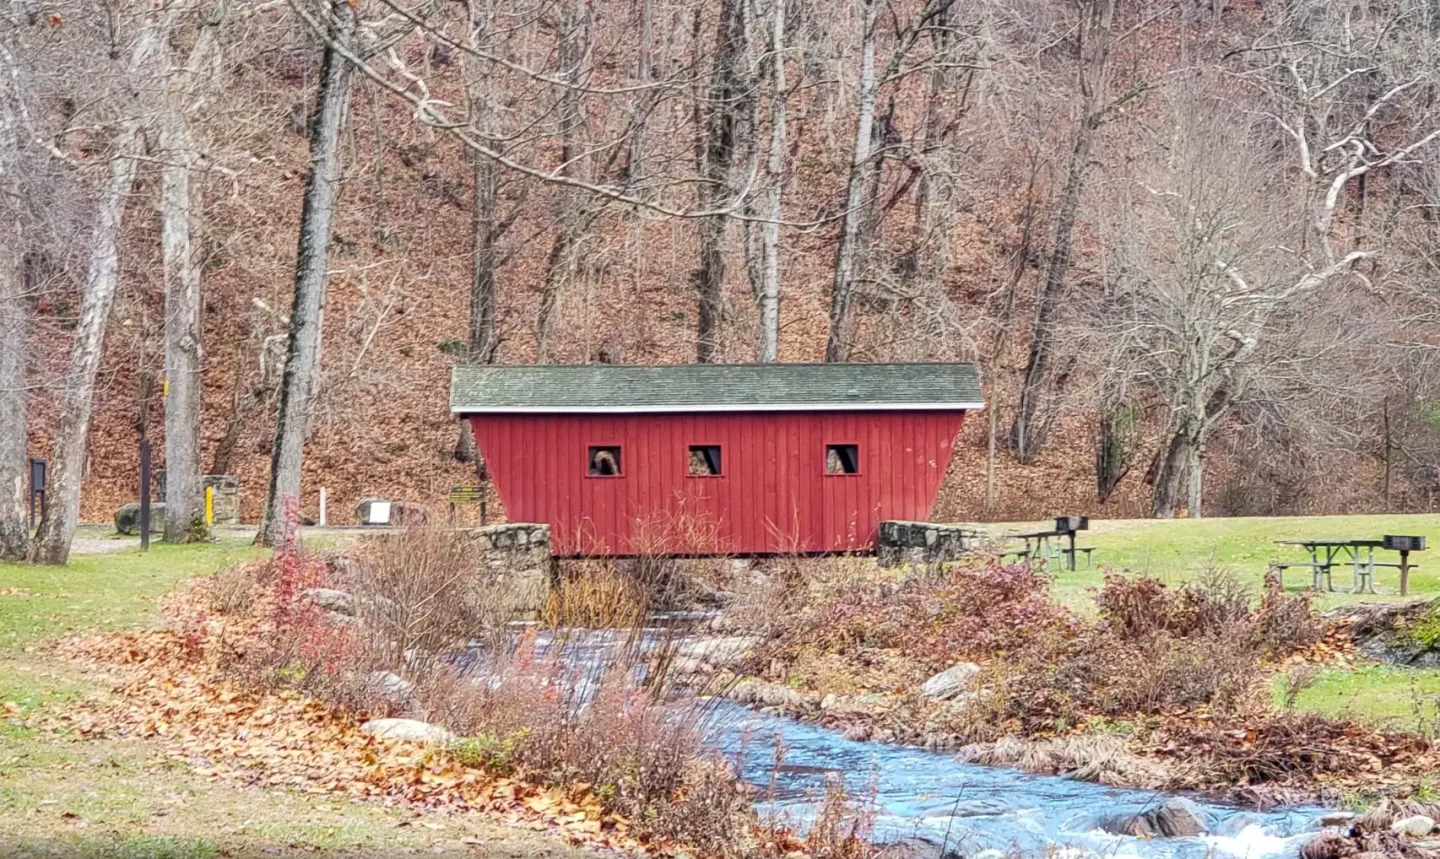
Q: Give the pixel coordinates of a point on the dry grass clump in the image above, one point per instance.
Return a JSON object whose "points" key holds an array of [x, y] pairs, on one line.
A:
{"points": [[1099, 758], [1266, 747], [597, 596]]}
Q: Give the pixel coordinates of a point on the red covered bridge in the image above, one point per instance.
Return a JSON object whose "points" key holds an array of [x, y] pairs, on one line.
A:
{"points": [[715, 458]]}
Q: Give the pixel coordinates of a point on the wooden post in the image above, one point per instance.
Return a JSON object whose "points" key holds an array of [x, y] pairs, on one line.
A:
{"points": [[322, 507], [209, 507], [145, 495], [1404, 572], [1072, 551]]}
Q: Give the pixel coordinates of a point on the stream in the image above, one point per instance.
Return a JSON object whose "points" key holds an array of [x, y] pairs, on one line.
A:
{"points": [[930, 796]]}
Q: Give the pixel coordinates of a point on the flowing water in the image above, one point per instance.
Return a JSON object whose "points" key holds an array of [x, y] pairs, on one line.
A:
{"points": [[931, 796]]}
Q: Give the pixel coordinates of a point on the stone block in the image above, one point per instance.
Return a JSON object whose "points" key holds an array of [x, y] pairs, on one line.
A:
{"points": [[127, 518], [226, 497]]}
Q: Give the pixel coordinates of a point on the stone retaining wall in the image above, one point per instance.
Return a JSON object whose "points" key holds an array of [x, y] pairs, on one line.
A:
{"points": [[902, 542], [517, 555]]}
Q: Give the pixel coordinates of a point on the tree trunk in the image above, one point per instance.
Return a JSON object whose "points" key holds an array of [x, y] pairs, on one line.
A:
{"points": [[1170, 477], [67, 460], [14, 328], [482, 341], [14, 420], [768, 295], [574, 55], [635, 156], [184, 507], [298, 386], [1197, 477], [1030, 429], [1114, 446], [837, 345], [719, 153], [184, 488]]}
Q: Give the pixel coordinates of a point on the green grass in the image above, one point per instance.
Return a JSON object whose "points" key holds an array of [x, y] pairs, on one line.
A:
{"points": [[1178, 549], [104, 591], [1381, 695]]}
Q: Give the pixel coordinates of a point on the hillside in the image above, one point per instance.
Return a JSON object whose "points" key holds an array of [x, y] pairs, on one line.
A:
{"points": [[952, 276]]}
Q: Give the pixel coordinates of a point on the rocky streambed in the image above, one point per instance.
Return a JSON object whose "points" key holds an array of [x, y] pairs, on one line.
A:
{"points": [[930, 803]]}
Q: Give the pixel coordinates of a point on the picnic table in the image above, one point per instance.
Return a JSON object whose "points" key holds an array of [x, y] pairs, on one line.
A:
{"points": [[1050, 546], [1325, 555]]}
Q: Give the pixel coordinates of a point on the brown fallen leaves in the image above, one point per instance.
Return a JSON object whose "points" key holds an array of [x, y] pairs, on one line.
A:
{"points": [[281, 738]]}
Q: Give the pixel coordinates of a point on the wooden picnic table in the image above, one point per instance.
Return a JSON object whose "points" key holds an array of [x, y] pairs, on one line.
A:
{"points": [[1337, 553]]}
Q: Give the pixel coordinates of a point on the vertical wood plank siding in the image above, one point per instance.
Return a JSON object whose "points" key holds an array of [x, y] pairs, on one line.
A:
{"points": [[772, 496]]}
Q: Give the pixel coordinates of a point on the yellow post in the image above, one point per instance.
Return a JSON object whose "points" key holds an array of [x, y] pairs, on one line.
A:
{"points": [[209, 506]]}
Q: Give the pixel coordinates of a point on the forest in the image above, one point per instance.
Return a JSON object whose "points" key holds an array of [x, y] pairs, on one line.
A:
{"points": [[1193, 246]]}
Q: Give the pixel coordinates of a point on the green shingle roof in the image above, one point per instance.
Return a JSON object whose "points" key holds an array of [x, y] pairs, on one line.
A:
{"points": [[714, 387]]}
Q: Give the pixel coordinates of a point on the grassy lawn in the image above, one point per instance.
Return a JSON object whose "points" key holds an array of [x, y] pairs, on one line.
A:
{"points": [[109, 798], [101, 591], [1177, 550], [1382, 695]]}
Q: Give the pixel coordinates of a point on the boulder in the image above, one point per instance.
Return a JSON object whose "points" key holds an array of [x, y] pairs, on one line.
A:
{"points": [[950, 682], [719, 652], [409, 730], [1176, 817], [1415, 826], [761, 694], [127, 518], [390, 686], [331, 600], [918, 848], [1338, 818], [1179, 817]]}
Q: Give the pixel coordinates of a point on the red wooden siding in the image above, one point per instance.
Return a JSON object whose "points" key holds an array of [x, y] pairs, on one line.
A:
{"points": [[773, 494]]}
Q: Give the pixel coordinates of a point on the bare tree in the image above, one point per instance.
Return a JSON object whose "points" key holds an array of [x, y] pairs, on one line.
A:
{"points": [[572, 215], [67, 462], [346, 39], [859, 210], [1212, 292], [185, 87], [724, 106], [14, 312], [1097, 18], [837, 345], [302, 361], [486, 227], [767, 290]]}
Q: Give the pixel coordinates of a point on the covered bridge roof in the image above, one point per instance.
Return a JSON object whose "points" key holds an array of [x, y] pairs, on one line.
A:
{"points": [[622, 388]]}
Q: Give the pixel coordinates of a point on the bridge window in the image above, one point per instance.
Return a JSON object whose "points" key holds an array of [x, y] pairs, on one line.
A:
{"points": [[842, 459], [704, 460], [604, 462]]}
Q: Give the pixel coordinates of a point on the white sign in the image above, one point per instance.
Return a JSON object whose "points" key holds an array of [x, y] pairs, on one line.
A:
{"points": [[380, 513]]}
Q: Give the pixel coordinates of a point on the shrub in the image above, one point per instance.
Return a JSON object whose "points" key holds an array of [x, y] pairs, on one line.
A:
{"points": [[936, 621], [1134, 606], [1285, 623]]}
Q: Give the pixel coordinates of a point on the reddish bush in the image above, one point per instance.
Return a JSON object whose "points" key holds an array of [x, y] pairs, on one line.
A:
{"points": [[968, 612]]}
